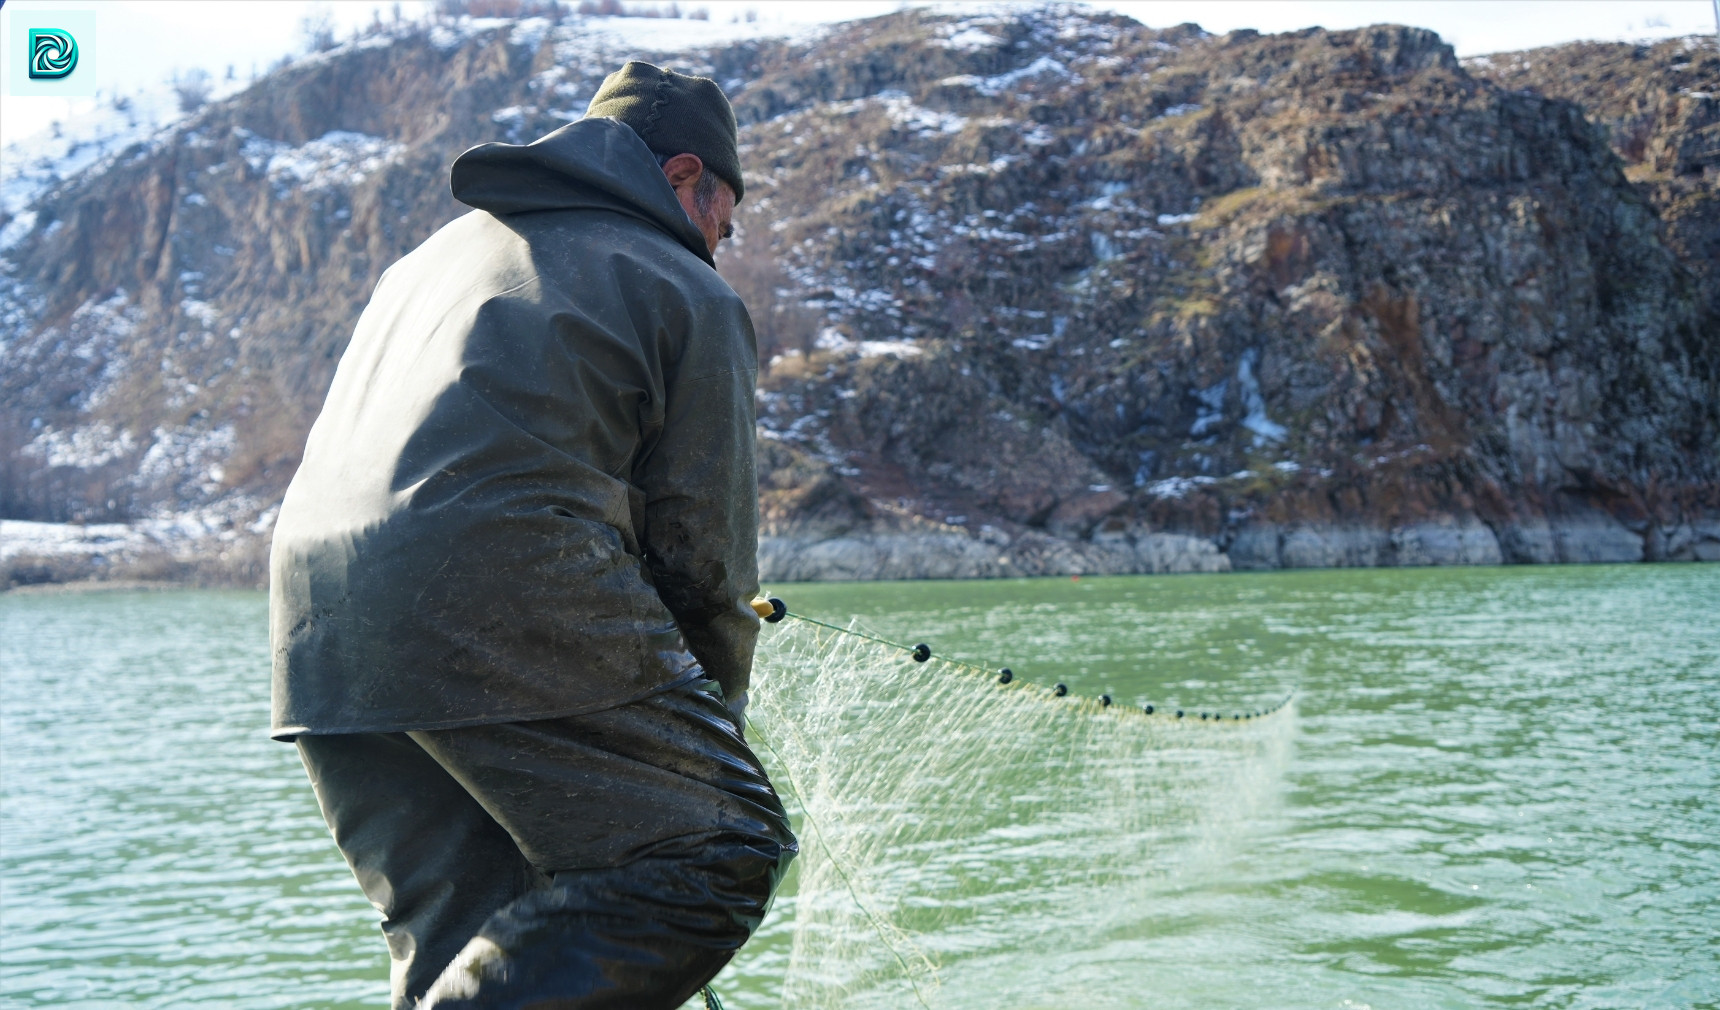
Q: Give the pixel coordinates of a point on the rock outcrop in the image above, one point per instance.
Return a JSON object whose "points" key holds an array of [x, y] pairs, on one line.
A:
{"points": [[1660, 108], [1040, 292]]}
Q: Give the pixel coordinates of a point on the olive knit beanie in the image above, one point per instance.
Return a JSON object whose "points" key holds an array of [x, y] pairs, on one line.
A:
{"points": [[674, 114]]}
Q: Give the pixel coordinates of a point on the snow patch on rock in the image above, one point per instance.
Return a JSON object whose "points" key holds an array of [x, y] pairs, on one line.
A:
{"points": [[337, 158], [1264, 428], [85, 447]]}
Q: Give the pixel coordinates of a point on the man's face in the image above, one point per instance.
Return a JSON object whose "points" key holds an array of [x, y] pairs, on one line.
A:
{"points": [[713, 219]]}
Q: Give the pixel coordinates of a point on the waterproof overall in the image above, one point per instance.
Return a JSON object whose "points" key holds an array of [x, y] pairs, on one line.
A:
{"points": [[611, 860]]}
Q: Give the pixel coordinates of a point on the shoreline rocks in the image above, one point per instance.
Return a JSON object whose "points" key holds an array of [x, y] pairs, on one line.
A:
{"points": [[84, 558], [909, 555], [868, 556]]}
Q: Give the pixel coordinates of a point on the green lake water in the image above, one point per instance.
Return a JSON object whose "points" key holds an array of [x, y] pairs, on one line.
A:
{"points": [[1496, 787]]}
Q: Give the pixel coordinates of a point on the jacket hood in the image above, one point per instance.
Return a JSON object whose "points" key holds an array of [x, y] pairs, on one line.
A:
{"points": [[594, 164]]}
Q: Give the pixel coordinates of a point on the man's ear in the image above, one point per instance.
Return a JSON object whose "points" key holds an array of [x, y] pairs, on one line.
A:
{"points": [[683, 170]]}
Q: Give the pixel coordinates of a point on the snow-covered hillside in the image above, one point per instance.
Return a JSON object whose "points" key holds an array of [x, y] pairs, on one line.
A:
{"points": [[1038, 289]]}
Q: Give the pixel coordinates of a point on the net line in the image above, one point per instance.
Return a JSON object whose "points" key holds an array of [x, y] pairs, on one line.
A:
{"points": [[922, 652]]}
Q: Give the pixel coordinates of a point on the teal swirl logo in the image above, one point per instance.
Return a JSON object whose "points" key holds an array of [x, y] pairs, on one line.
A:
{"points": [[53, 53]]}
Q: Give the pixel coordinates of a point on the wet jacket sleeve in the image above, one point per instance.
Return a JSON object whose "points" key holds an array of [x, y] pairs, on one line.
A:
{"points": [[701, 518]]}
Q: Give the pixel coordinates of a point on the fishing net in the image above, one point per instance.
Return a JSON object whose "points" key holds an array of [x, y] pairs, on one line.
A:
{"points": [[954, 829]]}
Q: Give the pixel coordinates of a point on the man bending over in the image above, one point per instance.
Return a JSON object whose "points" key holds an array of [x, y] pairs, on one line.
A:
{"points": [[510, 583]]}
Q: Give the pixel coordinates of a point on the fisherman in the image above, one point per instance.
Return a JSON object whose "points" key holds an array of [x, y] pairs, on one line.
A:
{"points": [[511, 581]]}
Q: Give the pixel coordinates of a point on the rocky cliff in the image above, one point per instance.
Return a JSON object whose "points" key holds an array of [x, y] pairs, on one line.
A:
{"points": [[1040, 292]]}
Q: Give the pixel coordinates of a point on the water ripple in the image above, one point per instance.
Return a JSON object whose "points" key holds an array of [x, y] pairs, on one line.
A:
{"points": [[1501, 794]]}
